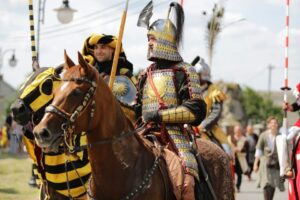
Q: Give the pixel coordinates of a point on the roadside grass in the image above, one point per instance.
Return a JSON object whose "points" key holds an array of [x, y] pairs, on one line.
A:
{"points": [[15, 171]]}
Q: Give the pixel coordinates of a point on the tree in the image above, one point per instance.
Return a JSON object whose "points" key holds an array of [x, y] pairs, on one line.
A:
{"points": [[258, 108], [214, 27]]}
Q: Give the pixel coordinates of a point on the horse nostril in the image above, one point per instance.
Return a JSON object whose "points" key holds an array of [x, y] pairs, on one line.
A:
{"points": [[22, 108], [45, 134], [18, 109]]}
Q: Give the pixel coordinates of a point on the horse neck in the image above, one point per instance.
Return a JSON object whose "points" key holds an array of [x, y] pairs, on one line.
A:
{"points": [[118, 160]]}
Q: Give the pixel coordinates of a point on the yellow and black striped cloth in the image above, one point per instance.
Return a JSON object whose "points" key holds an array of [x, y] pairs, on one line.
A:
{"points": [[50, 167], [56, 171], [33, 92], [56, 165], [92, 40]]}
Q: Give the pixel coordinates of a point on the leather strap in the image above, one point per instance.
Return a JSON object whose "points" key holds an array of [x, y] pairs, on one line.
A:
{"points": [[150, 80]]}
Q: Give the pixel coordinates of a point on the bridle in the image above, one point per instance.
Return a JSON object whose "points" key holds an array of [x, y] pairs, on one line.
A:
{"points": [[68, 126], [70, 118], [68, 130]]}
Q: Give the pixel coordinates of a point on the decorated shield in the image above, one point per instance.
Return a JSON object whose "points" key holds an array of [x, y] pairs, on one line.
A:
{"points": [[123, 89]]}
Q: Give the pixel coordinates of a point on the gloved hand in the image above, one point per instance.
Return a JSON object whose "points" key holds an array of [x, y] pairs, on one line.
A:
{"points": [[152, 116]]}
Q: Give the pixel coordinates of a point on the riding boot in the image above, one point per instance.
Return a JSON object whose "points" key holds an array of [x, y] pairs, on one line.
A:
{"points": [[188, 192]]}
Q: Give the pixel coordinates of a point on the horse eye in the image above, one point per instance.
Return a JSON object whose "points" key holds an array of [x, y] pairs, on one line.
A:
{"points": [[77, 92], [47, 87]]}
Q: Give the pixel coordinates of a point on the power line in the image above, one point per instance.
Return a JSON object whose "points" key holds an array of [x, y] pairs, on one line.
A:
{"points": [[82, 20], [49, 34], [101, 11], [87, 27], [256, 74]]}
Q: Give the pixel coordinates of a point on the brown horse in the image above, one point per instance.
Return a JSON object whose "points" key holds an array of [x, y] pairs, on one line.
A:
{"points": [[37, 90], [123, 167]]}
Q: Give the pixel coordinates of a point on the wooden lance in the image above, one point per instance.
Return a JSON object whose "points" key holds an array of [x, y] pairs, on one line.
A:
{"points": [[118, 48]]}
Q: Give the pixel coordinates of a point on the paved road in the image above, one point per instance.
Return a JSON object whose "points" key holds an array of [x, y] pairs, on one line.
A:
{"points": [[249, 191]]}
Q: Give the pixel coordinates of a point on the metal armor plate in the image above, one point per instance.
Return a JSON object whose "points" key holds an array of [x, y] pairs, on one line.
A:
{"points": [[164, 83], [123, 89]]}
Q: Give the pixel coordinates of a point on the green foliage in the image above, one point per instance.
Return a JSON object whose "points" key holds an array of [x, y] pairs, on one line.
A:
{"points": [[257, 107], [7, 104]]}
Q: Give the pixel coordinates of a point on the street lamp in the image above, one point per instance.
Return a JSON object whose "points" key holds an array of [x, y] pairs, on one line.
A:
{"points": [[64, 15], [12, 61], [65, 12]]}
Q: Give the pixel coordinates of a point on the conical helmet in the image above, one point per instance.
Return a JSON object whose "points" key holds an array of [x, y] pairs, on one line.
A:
{"points": [[167, 35], [203, 70]]}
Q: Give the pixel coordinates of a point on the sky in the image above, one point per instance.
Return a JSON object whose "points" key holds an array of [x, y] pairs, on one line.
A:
{"points": [[252, 37]]}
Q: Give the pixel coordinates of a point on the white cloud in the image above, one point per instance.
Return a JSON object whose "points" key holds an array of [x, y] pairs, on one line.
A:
{"points": [[243, 50]]}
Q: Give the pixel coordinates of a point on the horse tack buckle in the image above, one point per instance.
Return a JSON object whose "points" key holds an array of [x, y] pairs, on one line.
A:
{"points": [[67, 128]]}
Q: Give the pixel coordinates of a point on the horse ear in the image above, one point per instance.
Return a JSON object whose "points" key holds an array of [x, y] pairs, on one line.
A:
{"points": [[68, 62], [35, 65], [59, 69], [83, 63]]}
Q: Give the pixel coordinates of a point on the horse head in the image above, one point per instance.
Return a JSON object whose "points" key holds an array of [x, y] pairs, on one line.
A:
{"points": [[73, 105], [35, 94]]}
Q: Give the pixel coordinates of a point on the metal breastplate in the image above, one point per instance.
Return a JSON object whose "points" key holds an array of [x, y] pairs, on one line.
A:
{"points": [[164, 83]]}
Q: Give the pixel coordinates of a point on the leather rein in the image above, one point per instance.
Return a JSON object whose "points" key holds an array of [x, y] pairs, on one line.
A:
{"points": [[70, 118], [68, 131]]}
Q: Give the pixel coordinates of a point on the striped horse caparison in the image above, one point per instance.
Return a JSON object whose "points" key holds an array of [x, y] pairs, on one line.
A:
{"points": [[61, 175]]}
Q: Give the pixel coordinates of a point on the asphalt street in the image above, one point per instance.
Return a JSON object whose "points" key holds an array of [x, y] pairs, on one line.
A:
{"points": [[249, 191]]}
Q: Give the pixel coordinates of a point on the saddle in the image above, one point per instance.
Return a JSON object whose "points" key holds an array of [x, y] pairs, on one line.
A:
{"points": [[174, 170]]}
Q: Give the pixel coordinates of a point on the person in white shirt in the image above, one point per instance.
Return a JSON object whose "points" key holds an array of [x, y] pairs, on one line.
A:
{"points": [[266, 153]]}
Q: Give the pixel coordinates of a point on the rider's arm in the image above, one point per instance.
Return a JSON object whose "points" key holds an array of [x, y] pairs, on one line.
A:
{"points": [[213, 117], [191, 111]]}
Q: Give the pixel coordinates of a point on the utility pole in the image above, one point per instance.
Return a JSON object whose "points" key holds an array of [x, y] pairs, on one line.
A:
{"points": [[270, 68]]}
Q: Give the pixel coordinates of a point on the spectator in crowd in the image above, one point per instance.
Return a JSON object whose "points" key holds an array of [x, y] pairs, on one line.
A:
{"points": [[252, 139], [239, 146], [4, 142], [266, 153], [16, 138]]}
